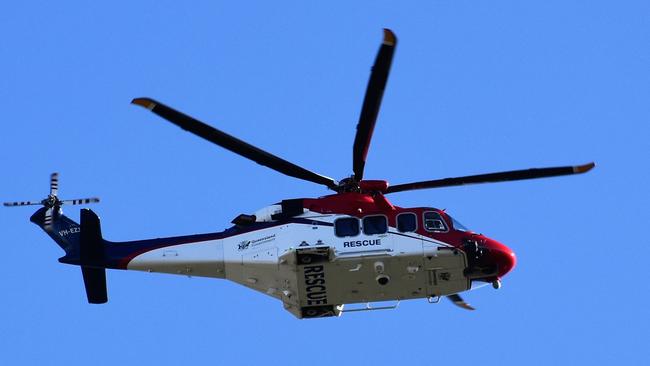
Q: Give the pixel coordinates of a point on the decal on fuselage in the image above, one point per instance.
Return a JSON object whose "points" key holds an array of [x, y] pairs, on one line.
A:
{"points": [[315, 285], [245, 244], [72, 230], [361, 243]]}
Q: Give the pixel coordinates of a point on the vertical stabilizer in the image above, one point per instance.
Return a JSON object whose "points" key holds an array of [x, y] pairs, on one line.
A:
{"points": [[63, 230], [83, 246]]}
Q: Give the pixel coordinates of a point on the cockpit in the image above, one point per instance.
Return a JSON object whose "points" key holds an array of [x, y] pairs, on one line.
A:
{"points": [[434, 222], [457, 225]]}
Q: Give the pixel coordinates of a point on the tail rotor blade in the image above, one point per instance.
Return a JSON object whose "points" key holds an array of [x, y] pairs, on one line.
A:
{"points": [[22, 203], [48, 217], [81, 201], [54, 184]]}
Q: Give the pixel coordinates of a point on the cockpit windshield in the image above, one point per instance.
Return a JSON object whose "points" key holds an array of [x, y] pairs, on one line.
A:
{"points": [[457, 224]]}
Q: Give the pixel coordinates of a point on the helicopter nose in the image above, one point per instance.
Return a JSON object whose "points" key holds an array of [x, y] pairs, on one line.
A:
{"points": [[502, 256]]}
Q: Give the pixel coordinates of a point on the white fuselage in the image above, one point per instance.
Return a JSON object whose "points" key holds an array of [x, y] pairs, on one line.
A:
{"points": [[304, 264]]}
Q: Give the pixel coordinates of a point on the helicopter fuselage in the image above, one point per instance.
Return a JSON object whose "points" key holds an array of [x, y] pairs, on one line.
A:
{"points": [[341, 249]]}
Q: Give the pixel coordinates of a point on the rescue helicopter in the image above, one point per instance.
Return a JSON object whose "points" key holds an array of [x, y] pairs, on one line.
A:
{"points": [[315, 255]]}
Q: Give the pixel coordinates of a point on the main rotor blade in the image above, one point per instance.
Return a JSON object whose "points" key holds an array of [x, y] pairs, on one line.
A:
{"points": [[54, 184], [232, 143], [372, 102], [494, 177], [458, 301]]}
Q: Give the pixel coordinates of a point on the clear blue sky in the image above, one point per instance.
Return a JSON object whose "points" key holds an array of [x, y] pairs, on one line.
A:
{"points": [[476, 86]]}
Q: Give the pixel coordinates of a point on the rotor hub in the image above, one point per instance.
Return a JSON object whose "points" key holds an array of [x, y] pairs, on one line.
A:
{"points": [[349, 184]]}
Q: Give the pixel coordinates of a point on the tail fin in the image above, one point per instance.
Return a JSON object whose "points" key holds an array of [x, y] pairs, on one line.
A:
{"points": [[83, 246], [64, 231]]}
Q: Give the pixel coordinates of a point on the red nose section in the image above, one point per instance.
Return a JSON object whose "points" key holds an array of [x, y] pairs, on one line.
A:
{"points": [[503, 256]]}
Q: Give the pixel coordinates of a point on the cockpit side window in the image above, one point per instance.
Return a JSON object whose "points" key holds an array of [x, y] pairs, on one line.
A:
{"points": [[407, 222], [434, 222], [347, 226], [373, 225]]}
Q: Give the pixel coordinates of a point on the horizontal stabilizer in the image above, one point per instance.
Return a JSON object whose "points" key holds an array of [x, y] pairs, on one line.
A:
{"points": [[92, 245], [95, 283], [92, 255]]}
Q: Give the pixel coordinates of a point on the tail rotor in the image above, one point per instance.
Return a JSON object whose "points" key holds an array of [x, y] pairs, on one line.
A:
{"points": [[54, 184], [52, 201]]}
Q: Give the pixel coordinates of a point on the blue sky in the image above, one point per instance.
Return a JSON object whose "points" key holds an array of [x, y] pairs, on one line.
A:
{"points": [[476, 86]]}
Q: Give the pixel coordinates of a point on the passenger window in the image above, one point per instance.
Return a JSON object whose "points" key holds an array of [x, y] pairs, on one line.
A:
{"points": [[348, 226], [434, 222], [407, 222], [375, 225]]}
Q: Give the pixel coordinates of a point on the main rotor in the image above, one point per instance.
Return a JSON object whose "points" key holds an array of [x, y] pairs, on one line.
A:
{"points": [[363, 137]]}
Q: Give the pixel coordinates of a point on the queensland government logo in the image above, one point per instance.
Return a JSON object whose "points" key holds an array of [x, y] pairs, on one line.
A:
{"points": [[243, 245]]}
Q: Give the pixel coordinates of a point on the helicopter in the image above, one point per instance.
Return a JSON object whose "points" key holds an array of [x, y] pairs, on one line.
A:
{"points": [[315, 255]]}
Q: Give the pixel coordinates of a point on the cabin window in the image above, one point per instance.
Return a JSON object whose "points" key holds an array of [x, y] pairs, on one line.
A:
{"points": [[348, 226], [373, 225], [434, 222], [407, 222]]}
